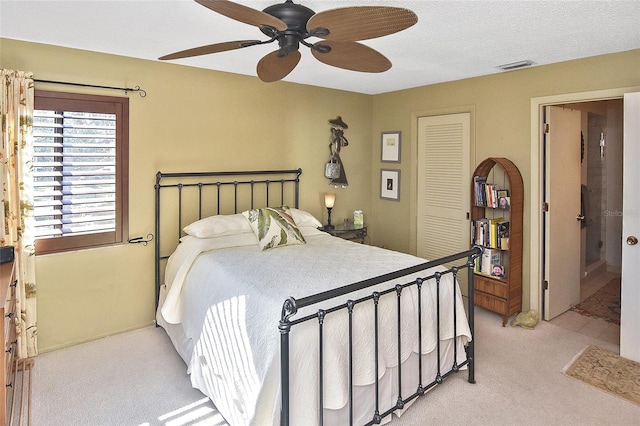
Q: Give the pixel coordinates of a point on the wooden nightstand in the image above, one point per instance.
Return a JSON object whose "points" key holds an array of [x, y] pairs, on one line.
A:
{"points": [[348, 232]]}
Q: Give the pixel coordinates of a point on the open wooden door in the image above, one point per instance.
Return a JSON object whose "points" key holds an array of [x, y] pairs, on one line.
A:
{"points": [[562, 220]]}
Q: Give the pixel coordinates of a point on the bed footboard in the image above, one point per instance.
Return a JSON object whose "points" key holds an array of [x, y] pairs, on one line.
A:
{"points": [[292, 306]]}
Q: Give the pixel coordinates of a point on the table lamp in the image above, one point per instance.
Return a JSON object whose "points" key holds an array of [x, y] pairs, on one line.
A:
{"points": [[329, 201]]}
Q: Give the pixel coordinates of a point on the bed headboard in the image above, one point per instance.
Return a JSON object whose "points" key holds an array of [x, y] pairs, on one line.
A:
{"points": [[182, 198]]}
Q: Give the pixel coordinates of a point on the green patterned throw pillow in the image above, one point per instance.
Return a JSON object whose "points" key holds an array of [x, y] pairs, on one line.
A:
{"points": [[274, 228]]}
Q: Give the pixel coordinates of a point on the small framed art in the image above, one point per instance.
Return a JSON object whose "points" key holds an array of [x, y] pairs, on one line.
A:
{"points": [[390, 184], [390, 147]]}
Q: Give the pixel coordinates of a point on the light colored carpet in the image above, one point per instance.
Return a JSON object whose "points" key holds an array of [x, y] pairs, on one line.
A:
{"points": [[136, 378], [607, 371]]}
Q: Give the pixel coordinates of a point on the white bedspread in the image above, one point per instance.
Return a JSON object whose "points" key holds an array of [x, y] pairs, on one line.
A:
{"points": [[227, 295]]}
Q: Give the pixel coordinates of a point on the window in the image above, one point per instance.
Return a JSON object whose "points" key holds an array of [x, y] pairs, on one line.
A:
{"points": [[81, 150]]}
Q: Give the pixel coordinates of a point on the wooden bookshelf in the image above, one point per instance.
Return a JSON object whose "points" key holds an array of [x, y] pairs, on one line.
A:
{"points": [[502, 295]]}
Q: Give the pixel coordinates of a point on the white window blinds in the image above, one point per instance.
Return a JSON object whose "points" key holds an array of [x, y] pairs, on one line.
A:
{"points": [[74, 172]]}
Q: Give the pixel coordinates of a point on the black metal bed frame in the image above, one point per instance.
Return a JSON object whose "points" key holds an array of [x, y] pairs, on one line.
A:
{"points": [[198, 181], [216, 181], [291, 307]]}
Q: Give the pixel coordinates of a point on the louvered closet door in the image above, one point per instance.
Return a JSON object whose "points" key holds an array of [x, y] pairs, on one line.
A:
{"points": [[443, 184]]}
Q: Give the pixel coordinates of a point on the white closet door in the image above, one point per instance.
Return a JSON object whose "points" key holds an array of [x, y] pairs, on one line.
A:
{"points": [[444, 144]]}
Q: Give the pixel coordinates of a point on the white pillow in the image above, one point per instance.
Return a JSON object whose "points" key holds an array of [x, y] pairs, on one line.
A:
{"points": [[218, 226], [303, 218]]}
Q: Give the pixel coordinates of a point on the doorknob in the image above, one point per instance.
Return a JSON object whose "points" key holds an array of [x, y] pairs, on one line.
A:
{"points": [[632, 241]]}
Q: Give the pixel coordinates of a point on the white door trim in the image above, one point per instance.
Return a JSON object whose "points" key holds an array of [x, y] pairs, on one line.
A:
{"points": [[535, 206]]}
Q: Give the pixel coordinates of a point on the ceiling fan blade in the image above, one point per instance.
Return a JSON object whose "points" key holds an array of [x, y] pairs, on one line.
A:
{"points": [[273, 67], [243, 13], [351, 55], [211, 48], [361, 22]]}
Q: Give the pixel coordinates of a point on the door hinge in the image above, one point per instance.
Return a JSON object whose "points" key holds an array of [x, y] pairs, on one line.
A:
{"points": [[545, 285], [545, 207], [545, 127]]}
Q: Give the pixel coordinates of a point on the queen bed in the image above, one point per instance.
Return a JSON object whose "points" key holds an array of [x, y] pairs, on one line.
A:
{"points": [[281, 323]]}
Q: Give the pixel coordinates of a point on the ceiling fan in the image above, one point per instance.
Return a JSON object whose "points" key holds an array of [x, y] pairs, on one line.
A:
{"points": [[292, 24]]}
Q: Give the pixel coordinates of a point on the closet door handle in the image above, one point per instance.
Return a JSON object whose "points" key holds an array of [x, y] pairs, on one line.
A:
{"points": [[632, 241]]}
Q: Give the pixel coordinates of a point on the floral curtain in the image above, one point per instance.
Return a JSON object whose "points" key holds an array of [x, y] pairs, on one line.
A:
{"points": [[16, 178]]}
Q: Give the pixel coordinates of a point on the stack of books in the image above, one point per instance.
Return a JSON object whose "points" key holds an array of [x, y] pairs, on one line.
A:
{"points": [[492, 233], [490, 195], [490, 263]]}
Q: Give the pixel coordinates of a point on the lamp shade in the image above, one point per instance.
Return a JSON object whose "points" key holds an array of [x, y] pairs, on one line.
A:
{"points": [[329, 200]]}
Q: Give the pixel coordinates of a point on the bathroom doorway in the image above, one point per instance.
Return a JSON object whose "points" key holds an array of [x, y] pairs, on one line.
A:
{"points": [[601, 178], [600, 216], [629, 318]]}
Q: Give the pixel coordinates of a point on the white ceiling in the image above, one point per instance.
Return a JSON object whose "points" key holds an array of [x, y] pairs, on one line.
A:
{"points": [[452, 40]]}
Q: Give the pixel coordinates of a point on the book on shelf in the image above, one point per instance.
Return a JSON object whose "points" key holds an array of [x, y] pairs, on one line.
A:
{"points": [[492, 192], [480, 231], [479, 183], [503, 235], [494, 241], [489, 258]]}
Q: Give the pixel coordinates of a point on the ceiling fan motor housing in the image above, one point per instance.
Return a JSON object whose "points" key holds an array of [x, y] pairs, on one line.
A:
{"points": [[296, 17]]}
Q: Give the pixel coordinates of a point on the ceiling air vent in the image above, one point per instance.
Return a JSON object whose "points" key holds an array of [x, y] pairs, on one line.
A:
{"points": [[515, 65]]}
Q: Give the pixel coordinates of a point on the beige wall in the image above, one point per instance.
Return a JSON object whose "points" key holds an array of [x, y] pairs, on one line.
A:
{"points": [[500, 106], [198, 119], [191, 119]]}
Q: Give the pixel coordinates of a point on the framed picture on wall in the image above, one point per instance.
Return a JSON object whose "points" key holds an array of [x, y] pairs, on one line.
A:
{"points": [[390, 147], [390, 184]]}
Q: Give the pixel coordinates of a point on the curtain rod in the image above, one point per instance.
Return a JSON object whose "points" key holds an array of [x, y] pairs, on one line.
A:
{"points": [[142, 92]]}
